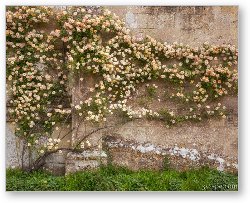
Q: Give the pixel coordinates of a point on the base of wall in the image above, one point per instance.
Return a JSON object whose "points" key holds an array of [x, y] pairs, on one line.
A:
{"points": [[136, 156]]}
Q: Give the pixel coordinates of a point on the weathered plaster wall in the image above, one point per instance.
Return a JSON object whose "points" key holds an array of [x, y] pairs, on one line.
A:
{"points": [[13, 148], [189, 25]]}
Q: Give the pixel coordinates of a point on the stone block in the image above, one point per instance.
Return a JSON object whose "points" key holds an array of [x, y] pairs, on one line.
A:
{"points": [[84, 161], [55, 163], [57, 169], [57, 157]]}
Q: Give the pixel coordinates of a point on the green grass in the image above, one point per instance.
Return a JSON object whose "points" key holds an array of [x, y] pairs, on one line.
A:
{"points": [[113, 178]]}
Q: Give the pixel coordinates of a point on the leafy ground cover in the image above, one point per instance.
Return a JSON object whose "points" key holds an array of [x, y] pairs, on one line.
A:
{"points": [[111, 178]]}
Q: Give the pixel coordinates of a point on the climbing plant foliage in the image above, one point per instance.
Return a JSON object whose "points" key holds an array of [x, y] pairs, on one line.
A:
{"points": [[82, 42]]}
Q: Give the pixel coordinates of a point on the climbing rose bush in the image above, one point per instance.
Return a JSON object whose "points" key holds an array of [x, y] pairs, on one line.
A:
{"points": [[87, 42]]}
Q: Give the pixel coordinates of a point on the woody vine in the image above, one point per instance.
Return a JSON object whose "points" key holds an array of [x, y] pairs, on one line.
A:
{"points": [[42, 64]]}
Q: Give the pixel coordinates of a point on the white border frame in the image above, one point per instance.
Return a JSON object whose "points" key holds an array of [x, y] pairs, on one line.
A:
{"points": [[244, 136]]}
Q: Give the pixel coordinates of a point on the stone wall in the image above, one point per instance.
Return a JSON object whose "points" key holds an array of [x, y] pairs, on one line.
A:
{"points": [[136, 156], [214, 139], [191, 25]]}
